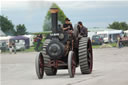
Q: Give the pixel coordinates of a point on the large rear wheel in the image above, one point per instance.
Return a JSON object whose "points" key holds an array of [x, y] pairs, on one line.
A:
{"points": [[85, 55], [39, 63]]}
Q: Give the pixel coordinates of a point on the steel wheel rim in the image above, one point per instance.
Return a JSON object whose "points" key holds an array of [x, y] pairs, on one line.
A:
{"points": [[41, 65], [89, 53], [73, 65]]}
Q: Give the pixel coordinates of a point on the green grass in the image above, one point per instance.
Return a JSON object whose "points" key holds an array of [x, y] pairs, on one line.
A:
{"points": [[31, 49], [111, 44], [96, 46]]}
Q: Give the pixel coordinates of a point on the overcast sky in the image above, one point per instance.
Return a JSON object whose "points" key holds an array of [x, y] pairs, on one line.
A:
{"points": [[93, 13]]}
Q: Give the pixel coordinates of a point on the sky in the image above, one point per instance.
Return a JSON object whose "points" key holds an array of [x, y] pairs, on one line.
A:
{"points": [[93, 13]]}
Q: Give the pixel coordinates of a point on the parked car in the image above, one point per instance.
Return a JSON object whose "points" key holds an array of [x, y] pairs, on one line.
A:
{"points": [[3, 46], [97, 40]]}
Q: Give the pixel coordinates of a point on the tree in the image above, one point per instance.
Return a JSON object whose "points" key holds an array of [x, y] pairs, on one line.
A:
{"points": [[47, 21], [6, 26], [119, 26], [21, 29]]}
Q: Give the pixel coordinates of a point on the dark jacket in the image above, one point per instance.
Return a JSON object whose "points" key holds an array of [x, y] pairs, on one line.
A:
{"points": [[84, 31], [66, 26]]}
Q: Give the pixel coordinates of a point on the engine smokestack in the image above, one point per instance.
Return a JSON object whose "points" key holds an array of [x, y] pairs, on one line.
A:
{"points": [[54, 19]]}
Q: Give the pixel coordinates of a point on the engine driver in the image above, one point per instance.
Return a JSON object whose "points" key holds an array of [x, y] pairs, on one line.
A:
{"points": [[67, 26]]}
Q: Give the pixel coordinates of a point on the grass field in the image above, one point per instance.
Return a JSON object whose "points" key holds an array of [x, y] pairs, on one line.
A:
{"points": [[104, 45], [31, 49]]}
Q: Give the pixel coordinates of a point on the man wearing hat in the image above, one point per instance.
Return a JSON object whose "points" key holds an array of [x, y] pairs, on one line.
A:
{"points": [[83, 31], [67, 26]]}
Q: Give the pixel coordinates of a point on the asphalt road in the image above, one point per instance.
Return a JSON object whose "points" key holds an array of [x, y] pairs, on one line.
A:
{"points": [[110, 68]]}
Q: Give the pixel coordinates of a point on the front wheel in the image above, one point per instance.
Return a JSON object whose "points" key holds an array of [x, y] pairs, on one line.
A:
{"points": [[39, 63], [71, 64]]}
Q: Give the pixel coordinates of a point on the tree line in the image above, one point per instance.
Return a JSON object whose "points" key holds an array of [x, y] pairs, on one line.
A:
{"points": [[118, 26], [7, 27]]}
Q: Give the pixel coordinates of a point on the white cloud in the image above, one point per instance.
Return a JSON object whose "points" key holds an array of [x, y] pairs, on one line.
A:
{"points": [[12, 4], [90, 4], [23, 4], [84, 4]]}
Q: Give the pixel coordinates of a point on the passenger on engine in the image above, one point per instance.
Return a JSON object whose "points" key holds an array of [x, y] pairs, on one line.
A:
{"points": [[83, 31], [67, 26]]}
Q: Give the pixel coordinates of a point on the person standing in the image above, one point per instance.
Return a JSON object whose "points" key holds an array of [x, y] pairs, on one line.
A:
{"points": [[83, 31], [14, 46], [10, 47], [119, 44], [67, 27], [39, 38]]}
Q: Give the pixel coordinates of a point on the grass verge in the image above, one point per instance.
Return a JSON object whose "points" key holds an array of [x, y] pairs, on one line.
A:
{"points": [[105, 45]]}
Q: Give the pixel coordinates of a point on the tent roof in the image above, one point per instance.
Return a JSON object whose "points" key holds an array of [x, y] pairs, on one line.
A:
{"points": [[5, 37], [19, 38], [110, 32]]}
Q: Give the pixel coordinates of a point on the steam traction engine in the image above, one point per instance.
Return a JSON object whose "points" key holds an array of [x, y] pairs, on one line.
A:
{"points": [[64, 52]]}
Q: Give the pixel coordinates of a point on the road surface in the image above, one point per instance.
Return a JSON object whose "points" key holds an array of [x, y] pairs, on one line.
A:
{"points": [[110, 68]]}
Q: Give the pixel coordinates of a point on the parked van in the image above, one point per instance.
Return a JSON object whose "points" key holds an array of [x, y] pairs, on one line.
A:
{"points": [[110, 36], [31, 39], [126, 33]]}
